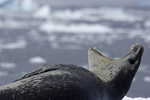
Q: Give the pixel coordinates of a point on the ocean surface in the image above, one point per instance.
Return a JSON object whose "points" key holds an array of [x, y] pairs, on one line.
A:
{"points": [[41, 35]]}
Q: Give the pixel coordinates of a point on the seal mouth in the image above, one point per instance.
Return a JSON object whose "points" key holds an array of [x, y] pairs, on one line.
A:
{"points": [[136, 50]]}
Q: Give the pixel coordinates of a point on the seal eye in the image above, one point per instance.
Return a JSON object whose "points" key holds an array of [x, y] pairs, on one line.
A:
{"points": [[131, 60]]}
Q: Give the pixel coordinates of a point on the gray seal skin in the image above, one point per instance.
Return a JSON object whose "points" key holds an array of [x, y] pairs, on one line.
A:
{"points": [[106, 79]]}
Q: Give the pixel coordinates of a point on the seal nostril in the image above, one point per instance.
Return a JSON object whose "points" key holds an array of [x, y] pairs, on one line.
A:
{"points": [[131, 60]]}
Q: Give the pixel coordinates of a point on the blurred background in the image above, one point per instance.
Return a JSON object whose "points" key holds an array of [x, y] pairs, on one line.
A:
{"points": [[37, 32]]}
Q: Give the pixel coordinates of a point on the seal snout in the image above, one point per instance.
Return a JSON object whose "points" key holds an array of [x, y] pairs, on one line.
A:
{"points": [[137, 48], [135, 54]]}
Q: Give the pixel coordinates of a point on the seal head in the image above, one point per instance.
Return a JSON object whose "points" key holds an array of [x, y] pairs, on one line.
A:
{"points": [[117, 74]]}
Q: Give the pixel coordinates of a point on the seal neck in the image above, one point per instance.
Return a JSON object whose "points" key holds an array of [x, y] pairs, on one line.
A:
{"points": [[118, 87]]}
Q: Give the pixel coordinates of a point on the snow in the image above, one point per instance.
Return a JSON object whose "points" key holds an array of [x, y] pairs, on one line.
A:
{"points": [[37, 60]]}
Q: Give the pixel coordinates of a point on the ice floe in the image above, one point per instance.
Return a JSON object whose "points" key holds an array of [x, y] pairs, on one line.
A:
{"points": [[19, 5], [75, 28], [147, 78], [2, 74], [138, 98], [19, 44], [72, 47], [3, 1], [147, 23], [84, 21], [117, 14], [43, 12], [55, 45], [37, 60], [7, 65], [104, 13], [29, 5], [145, 68]]}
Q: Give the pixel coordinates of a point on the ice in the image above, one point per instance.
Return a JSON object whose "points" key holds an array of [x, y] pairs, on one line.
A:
{"points": [[9, 24], [117, 14], [144, 68], [43, 12], [147, 78], [3, 1], [20, 5], [2, 74], [55, 45], [69, 15], [138, 98], [75, 28], [14, 45], [7, 65], [143, 34], [104, 13], [29, 5], [72, 47], [37, 60], [147, 38], [147, 23]]}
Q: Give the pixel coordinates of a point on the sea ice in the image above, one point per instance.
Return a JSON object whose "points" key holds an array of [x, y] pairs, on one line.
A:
{"points": [[43, 12], [147, 78], [19, 44], [2, 74], [37, 60], [76, 28], [138, 98], [7, 65]]}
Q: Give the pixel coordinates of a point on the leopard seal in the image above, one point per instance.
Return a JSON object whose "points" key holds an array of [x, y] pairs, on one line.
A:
{"points": [[106, 79]]}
